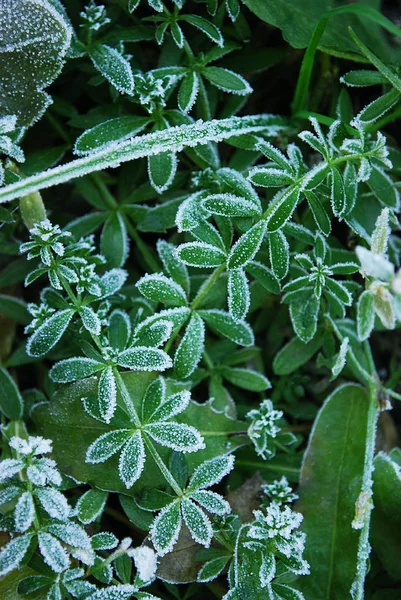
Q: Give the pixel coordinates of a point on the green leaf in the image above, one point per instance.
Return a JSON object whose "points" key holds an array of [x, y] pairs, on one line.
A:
{"points": [[162, 169], [197, 522], [362, 78], [190, 350], [34, 40], [166, 528], [73, 369], [229, 205], [223, 324], [239, 297], [295, 354], [206, 27], [386, 514], [132, 460], [144, 359], [114, 244], [379, 106], [331, 481], [279, 254], [200, 254], [114, 67], [320, 215], [109, 132], [159, 288], [49, 333], [383, 188], [106, 445], [365, 315], [246, 379], [65, 418], [174, 267], [227, 80], [15, 308], [246, 246], [13, 553], [304, 314], [11, 402], [264, 276], [90, 506], [188, 92], [282, 208]]}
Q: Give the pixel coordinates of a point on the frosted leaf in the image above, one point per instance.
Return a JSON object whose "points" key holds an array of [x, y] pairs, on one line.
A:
{"points": [[200, 254], [155, 334], [94, 17], [34, 39], [384, 304], [90, 506], [223, 324], [112, 281], [107, 394], [10, 467], [145, 561], [106, 445], [166, 528], [54, 503], [53, 552], [198, 523], [276, 522], [170, 407], [71, 534], [239, 297], [73, 369], [144, 359], [246, 246], [154, 397], [190, 350], [227, 80], [177, 436], [90, 320], [161, 170], [104, 541], [132, 460], [35, 445], [114, 67], [267, 569], [229, 205], [365, 315], [210, 472], [381, 233], [280, 491], [9, 493], [13, 553], [189, 214], [212, 502], [49, 333], [174, 267], [374, 265], [24, 512], [115, 592], [212, 569], [159, 288], [43, 471], [341, 358], [177, 316], [270, 177], [263, 428]]}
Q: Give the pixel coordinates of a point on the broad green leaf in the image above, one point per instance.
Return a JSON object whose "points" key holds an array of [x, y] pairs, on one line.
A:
{"points": [[34, 39], [246, 379], [114, 67], [365, 315], [383, 187], [264, 276], [65, 418], [11, 402], [331, 482], [386, 514], [144, 359]]}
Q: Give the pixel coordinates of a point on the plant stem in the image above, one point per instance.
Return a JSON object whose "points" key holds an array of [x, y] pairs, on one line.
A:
{"points": [[127, 398], [207, 286], [163, 468], [147, 256]]}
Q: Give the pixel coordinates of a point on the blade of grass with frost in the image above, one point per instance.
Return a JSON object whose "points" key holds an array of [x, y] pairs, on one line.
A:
{"points": [[174, 139]]}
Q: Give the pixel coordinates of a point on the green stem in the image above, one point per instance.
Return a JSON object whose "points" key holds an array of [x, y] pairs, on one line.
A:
{"points": [[163, 468], [147, 256], [207, 286], [127, 398]]}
